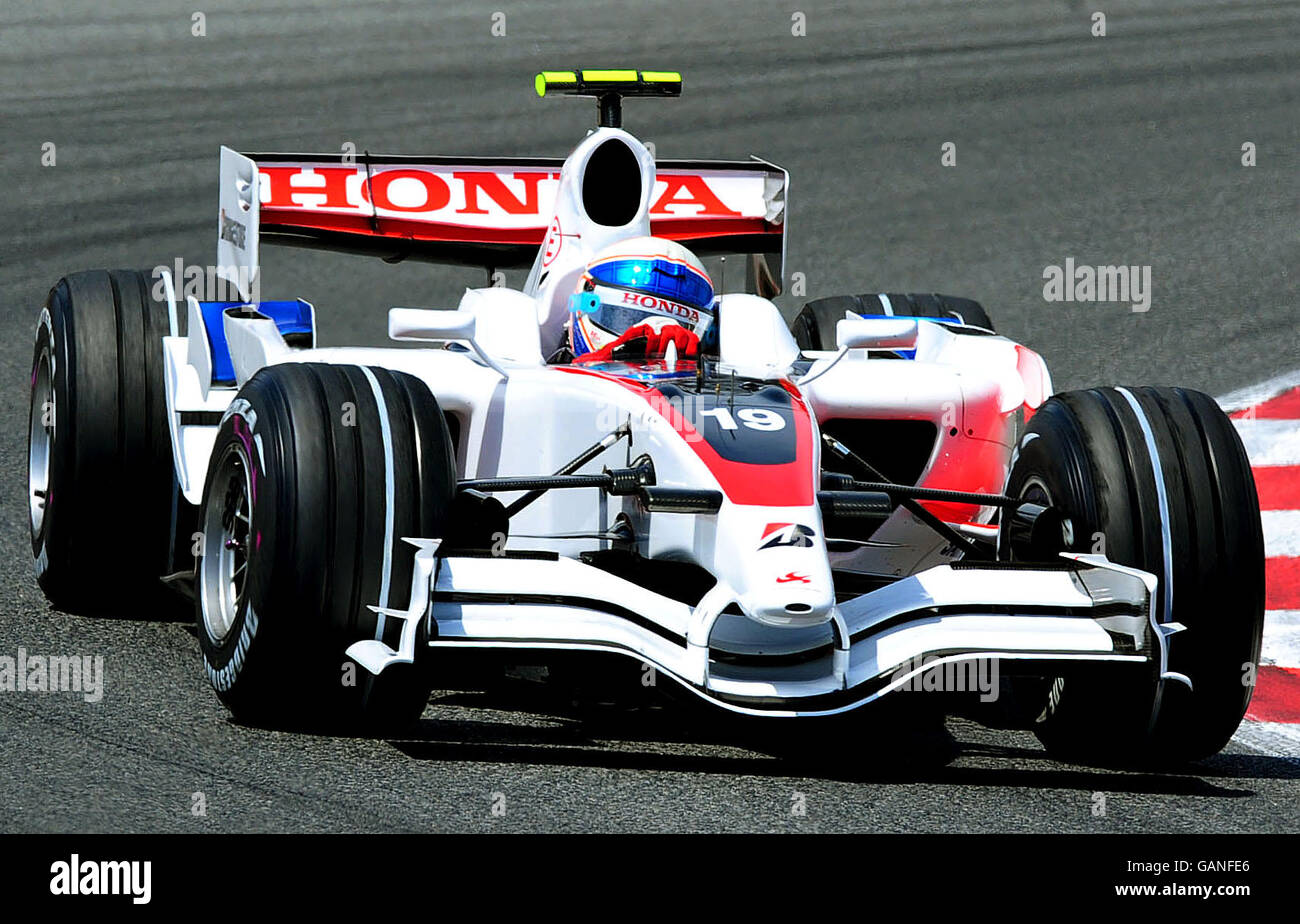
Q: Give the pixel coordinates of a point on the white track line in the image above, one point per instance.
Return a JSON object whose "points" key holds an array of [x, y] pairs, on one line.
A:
{"points": [[1281, 534], [1252, 395], [1274, 739], [1270, 442], [1281, 638]]}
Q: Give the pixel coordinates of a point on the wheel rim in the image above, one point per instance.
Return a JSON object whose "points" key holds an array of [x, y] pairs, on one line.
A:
{"points": [[1036, 492], [41, 421], [226, 532]]}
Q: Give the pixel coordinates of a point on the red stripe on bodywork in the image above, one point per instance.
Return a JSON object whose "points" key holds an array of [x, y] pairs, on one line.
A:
{"points": [[396, 228], [787, 484], [1277, 695], [1285, 406], [1278, 487], [414, 229], [685, 229], [1282, 583]]}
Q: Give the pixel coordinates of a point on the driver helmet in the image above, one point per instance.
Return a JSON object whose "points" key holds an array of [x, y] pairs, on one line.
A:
{"points": [[644, 280]]}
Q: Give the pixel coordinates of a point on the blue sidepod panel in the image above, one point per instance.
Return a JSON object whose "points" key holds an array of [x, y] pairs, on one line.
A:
{"points": [[295, 317]]}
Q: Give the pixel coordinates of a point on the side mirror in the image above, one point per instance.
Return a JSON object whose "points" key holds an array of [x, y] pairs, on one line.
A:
{"points": [[865, 334], [876, 334], [426, 324]]}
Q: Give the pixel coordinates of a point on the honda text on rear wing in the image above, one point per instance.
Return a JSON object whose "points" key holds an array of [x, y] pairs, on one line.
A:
{"points": [[499, 212]]}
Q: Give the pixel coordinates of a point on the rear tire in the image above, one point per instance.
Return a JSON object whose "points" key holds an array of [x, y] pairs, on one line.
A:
{"points": [[318, 473], [1087, 453], [101, 489], [814, 326]]}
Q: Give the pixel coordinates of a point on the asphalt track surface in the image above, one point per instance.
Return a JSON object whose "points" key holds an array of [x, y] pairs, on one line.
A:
{"points": [[1117, 150]]}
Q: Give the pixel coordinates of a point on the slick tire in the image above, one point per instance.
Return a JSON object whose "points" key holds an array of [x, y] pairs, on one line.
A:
{"points": [[318, 473], [100, 486], [1112, 459], [814, 326]]}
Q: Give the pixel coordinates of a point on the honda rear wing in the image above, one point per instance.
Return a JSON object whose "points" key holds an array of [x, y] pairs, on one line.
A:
{"points": [[477, 211]]}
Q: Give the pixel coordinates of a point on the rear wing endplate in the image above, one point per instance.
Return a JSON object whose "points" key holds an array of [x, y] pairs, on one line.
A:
{"points": [[238, 224]]}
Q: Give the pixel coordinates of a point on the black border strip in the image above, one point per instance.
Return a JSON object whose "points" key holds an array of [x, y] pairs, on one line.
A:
{"points": [[613, 609], [586, 603], [990, 609], [871, 687]]}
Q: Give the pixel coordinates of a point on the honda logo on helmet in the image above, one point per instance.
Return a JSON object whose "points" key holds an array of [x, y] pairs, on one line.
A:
{"points": [[662, 305]]}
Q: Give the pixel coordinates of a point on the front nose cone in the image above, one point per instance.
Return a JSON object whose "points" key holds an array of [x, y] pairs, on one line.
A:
{"points": [[784, 605], [776, 563]]}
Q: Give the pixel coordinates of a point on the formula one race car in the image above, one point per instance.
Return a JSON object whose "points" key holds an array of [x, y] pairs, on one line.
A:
{"points": [[786, 521]]}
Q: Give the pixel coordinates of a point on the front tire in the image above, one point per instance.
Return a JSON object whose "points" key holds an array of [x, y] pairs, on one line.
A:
{"points": [[101, 490], [1088, 453], [318, 473]]}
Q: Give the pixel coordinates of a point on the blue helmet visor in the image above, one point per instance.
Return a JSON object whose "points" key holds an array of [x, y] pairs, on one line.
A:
{"points": [[659, 276]]}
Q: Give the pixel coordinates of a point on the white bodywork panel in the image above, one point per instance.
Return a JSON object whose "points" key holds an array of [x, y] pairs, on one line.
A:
{"points": [[186, 395], [757, 342], [555, 273]]}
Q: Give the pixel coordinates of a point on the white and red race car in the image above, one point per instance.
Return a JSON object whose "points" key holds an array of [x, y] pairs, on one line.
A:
{"points": [[803, 520]]}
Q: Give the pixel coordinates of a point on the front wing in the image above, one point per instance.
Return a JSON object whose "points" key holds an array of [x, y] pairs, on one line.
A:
{"points": [[1035, 617]]}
